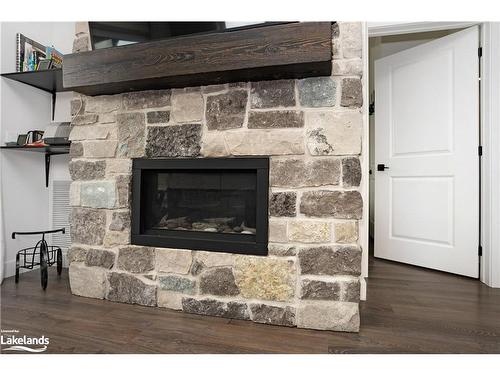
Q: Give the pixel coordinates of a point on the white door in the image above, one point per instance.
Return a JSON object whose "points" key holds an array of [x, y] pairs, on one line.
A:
{"points": [[427, 134]]}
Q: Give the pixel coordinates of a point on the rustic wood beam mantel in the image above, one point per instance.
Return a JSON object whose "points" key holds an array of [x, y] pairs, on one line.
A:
{"points": [[292, 50]]}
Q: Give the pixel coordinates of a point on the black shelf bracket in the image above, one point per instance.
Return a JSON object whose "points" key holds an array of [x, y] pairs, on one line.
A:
{"points": [[47, 168], [54, 99], [47, 151]]}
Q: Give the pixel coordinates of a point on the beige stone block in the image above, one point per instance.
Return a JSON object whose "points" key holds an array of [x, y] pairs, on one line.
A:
{"points": [[213, 145], [87, 281], [265, 278], [89, 132], [103, 104], [107, 118], [309, 231], [81, 28], [351, 39], [277, 231], [173, 260], [346, 232], [334, 133], [115, 238], [187, 106], [119, 166], [265, 142], [347, 67], [335, 316], [336, 48], [99, 149], [169, 300], [214, 259]]}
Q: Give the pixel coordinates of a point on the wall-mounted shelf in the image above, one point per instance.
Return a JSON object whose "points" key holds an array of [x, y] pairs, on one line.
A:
{"points": [[48, 151], [292, 50], [50, 81]]}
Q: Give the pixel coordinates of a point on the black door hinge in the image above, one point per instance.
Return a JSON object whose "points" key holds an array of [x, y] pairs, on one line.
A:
{"points": [[480, 52], [480, 250], [480, 150]]}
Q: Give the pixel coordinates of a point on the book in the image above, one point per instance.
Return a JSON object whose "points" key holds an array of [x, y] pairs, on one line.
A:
{"points": [[28, 53], [54, 56]]}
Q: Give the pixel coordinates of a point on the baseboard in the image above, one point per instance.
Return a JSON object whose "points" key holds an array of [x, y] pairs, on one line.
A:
{"points": [[362, 294]]}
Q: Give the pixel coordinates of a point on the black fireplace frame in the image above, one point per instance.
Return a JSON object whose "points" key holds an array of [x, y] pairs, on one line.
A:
{"points": [[221, 242]]}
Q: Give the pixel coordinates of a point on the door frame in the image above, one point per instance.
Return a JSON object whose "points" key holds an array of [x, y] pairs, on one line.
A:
{"points": [[490, 138]]}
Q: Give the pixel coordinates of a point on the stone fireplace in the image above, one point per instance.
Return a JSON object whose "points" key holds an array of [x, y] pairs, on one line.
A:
{"points": [[297, 265]]}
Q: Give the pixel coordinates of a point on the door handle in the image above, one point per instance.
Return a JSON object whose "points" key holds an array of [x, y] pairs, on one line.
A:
{"points": [[381, 167]]}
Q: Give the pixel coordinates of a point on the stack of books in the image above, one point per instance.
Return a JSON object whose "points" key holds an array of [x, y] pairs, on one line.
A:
{"points": [[31, 55]]}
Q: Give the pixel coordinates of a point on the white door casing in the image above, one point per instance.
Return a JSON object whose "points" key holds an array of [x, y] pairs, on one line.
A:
{"points": [[427, 133]]}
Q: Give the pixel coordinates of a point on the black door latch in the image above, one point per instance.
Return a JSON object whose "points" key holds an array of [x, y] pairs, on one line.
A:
{"points": [[381, 167]]}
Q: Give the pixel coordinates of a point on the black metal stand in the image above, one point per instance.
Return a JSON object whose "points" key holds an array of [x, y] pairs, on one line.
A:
{"points": [[41, 255]]}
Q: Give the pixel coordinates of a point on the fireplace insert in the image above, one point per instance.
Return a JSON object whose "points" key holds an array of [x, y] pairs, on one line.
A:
{"points": [[201, 204]]}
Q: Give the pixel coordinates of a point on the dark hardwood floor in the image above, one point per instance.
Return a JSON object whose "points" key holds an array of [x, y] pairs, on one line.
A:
{"points": [[409, 310]]}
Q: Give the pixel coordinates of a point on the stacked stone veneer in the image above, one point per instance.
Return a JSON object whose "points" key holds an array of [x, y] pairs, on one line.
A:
{"points": [[311, 129]]}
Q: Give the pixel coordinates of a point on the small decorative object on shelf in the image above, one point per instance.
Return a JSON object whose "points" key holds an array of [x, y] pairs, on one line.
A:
{"points": [[57, 133], [41, 255]]}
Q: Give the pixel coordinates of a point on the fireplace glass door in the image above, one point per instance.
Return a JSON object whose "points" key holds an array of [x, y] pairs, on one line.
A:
{"points": [[201, 204], [201, 201]]}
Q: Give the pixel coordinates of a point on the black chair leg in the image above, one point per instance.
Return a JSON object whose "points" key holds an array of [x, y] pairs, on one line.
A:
{"points": [[17, 268], [59, 262]]}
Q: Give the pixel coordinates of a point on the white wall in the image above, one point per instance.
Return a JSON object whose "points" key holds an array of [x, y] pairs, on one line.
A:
{"points": [[24, 197]]}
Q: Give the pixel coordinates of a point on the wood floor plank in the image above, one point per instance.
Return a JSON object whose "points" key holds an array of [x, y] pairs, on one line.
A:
{"points": [[409, 310]]}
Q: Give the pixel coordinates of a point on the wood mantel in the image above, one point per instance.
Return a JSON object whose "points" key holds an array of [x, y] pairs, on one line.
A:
{"points": [[293, 50]]}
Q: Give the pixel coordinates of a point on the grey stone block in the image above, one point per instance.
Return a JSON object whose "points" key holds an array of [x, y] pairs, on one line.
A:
{"points": [[136, 259], [156, 117], [219, 282], [331, 260], [230, 310], [76, 254], [277, 315], [99, 258], [88, 226], [320, 290], [174, 141], [226, 111], [87, 170], [337, 204], [123, 184], [283, 204], [76, 150], [269, 94], [98, 194], [352, 93], [130, 289], [120, 221], [176, 284], [146, 99], [351, 172], [275, 119], [317, 92]]}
